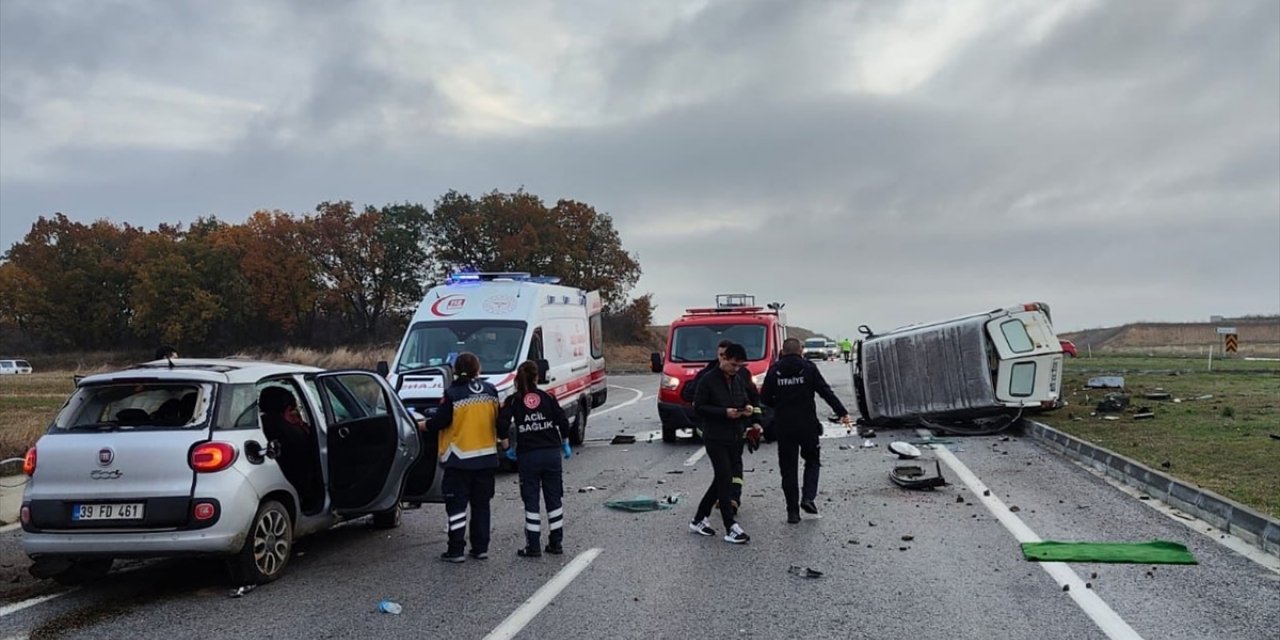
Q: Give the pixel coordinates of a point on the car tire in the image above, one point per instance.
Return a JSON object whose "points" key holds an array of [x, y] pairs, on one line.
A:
{"points": [[389, 519], [267, 548], [83, 571], [669, 433]]}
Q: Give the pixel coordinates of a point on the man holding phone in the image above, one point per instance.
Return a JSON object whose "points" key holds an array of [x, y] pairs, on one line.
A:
{"points": [[722, 401]]}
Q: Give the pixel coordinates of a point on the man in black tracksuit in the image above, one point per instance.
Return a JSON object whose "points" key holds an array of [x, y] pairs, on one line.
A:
{"points": [[788, 388], [722, 402], [690, 390]]}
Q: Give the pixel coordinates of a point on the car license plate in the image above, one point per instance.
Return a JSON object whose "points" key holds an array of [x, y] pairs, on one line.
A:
{"points": [[116, 511]]}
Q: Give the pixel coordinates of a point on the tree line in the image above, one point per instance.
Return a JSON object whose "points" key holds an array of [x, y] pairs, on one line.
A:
{"points": [[339, 275]]}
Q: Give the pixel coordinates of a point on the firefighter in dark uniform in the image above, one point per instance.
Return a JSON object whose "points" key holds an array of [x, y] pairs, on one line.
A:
{"points": [[541, 436], [789, 387], [467, 424], [722, 401]]}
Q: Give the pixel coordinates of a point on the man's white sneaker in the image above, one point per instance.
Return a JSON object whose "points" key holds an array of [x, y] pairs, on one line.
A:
{"points": [[702, 527], [736, 535]]}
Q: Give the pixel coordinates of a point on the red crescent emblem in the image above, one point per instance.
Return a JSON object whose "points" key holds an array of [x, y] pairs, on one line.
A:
{"points": [[448, 305], [531, 401]]}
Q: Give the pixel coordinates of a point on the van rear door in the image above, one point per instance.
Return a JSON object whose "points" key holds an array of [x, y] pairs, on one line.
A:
{"points": [[1029, 358]]}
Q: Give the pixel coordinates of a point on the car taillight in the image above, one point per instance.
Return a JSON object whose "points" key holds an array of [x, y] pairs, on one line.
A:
{"points": [[208, 457], [204, 511], [29, 462]]}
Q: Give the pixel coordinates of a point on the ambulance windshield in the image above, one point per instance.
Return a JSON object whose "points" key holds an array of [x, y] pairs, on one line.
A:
{"points": [[495, 342]]}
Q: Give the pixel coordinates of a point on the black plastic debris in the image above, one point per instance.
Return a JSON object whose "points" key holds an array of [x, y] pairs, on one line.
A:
{"points": [[1113, 403], [623, 439], [797, 570], [915, 477]]}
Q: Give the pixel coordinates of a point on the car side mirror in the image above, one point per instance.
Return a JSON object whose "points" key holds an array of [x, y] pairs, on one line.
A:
{"points": [[655, 362], [383, 368], [865, 330], [543, 368]]}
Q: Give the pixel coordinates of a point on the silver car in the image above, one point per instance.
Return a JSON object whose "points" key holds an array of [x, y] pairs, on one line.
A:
{"points": [[181, 459]]}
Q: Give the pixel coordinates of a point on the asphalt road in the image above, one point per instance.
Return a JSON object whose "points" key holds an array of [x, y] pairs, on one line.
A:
{"points": [[643, 575]]}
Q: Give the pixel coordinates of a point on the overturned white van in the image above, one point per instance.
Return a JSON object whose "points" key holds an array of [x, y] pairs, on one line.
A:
{"points": [[974, 374], [505, 319]]}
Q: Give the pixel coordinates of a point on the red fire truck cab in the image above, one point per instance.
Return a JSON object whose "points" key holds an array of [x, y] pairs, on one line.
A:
{"points": [[692, 343]]}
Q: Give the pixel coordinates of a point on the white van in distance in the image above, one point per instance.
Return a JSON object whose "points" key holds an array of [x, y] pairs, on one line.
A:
{"points": [[505, 319]]}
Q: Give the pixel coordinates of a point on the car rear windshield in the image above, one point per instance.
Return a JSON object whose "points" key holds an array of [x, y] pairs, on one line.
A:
{"points": [[815, 342], [698, 343], [136, 406]]}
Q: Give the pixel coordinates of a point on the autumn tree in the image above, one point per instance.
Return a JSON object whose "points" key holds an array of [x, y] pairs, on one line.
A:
{"points": [[517, 232], [371, 262], [71, 282], [272, 255]]}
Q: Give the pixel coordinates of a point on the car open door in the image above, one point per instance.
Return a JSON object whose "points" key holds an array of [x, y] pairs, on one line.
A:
{"points": [[371, 441]]}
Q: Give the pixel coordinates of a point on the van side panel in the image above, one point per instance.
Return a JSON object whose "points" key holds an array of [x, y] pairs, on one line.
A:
{"points": [[928, 372]]}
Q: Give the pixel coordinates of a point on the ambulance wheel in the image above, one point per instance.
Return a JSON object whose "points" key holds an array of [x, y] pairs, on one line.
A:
{"points": [[578, 425]]}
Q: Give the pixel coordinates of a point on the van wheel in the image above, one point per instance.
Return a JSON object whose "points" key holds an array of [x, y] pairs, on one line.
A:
{"points": [[267, 548], [83, 571], [578, 427], [389, 519]]}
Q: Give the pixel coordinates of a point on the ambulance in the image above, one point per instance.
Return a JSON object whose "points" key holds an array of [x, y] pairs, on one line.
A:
{"points": [[505, 319], [692, 343]]}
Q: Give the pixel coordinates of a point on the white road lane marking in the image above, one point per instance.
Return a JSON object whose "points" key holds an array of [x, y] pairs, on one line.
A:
{"points": [[542, 597], [697, 455], [1087, 599], [30, 602], [639, 395]]}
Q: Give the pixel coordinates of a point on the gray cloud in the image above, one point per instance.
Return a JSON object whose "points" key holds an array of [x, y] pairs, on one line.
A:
{"points": [[1121, 163]]}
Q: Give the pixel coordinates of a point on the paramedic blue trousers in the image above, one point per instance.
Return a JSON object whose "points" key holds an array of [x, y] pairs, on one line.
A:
{"points": [[540, 473], [806, 444], [463, 488]]}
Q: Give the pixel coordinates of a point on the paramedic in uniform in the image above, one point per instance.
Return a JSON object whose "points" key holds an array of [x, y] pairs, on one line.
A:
{"points": [[467, 424], [540, 438], [789, 387]]}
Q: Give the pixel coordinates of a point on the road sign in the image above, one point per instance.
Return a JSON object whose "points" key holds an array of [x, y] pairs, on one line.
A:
{"points": [[1225, 330], [1231, 342]]}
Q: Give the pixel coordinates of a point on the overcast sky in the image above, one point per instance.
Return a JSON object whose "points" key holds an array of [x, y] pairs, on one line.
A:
{"points": [[874, 162]]}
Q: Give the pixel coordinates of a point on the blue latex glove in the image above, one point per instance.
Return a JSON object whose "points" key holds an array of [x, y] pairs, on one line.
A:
{"points": [[511, 453], [568, 451]]}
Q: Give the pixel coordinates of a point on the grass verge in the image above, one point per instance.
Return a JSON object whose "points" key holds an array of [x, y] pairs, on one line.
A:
{"points": [[1223, 443]]}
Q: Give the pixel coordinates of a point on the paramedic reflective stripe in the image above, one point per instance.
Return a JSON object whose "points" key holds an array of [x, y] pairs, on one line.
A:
{"points": [[458, 521], [532, 522], [555, 519]]}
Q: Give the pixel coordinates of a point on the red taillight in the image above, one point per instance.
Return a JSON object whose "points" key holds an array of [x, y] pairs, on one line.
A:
{"points": [[208, 457], [1031, 306], [204, 510], [29, 462], [26, 515]]}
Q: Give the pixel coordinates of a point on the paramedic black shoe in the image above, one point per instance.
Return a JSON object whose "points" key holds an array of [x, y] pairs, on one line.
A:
{"points": [[480, 555], [455, 557], [736, 535], [793, 517], [529, 552], [554, 549], [809, 507], [702, 528]]}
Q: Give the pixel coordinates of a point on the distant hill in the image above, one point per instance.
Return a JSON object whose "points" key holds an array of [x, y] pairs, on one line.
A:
{"points": [[1259, 336]]}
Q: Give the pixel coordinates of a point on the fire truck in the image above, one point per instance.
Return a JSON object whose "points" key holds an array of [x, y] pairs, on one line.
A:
{"points": [[692, 343]]}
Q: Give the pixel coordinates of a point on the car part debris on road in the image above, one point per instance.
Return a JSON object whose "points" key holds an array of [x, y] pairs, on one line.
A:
{"points": [[797, 570], [914, 477], [387, 606], [239, 592], [904, 451]]}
